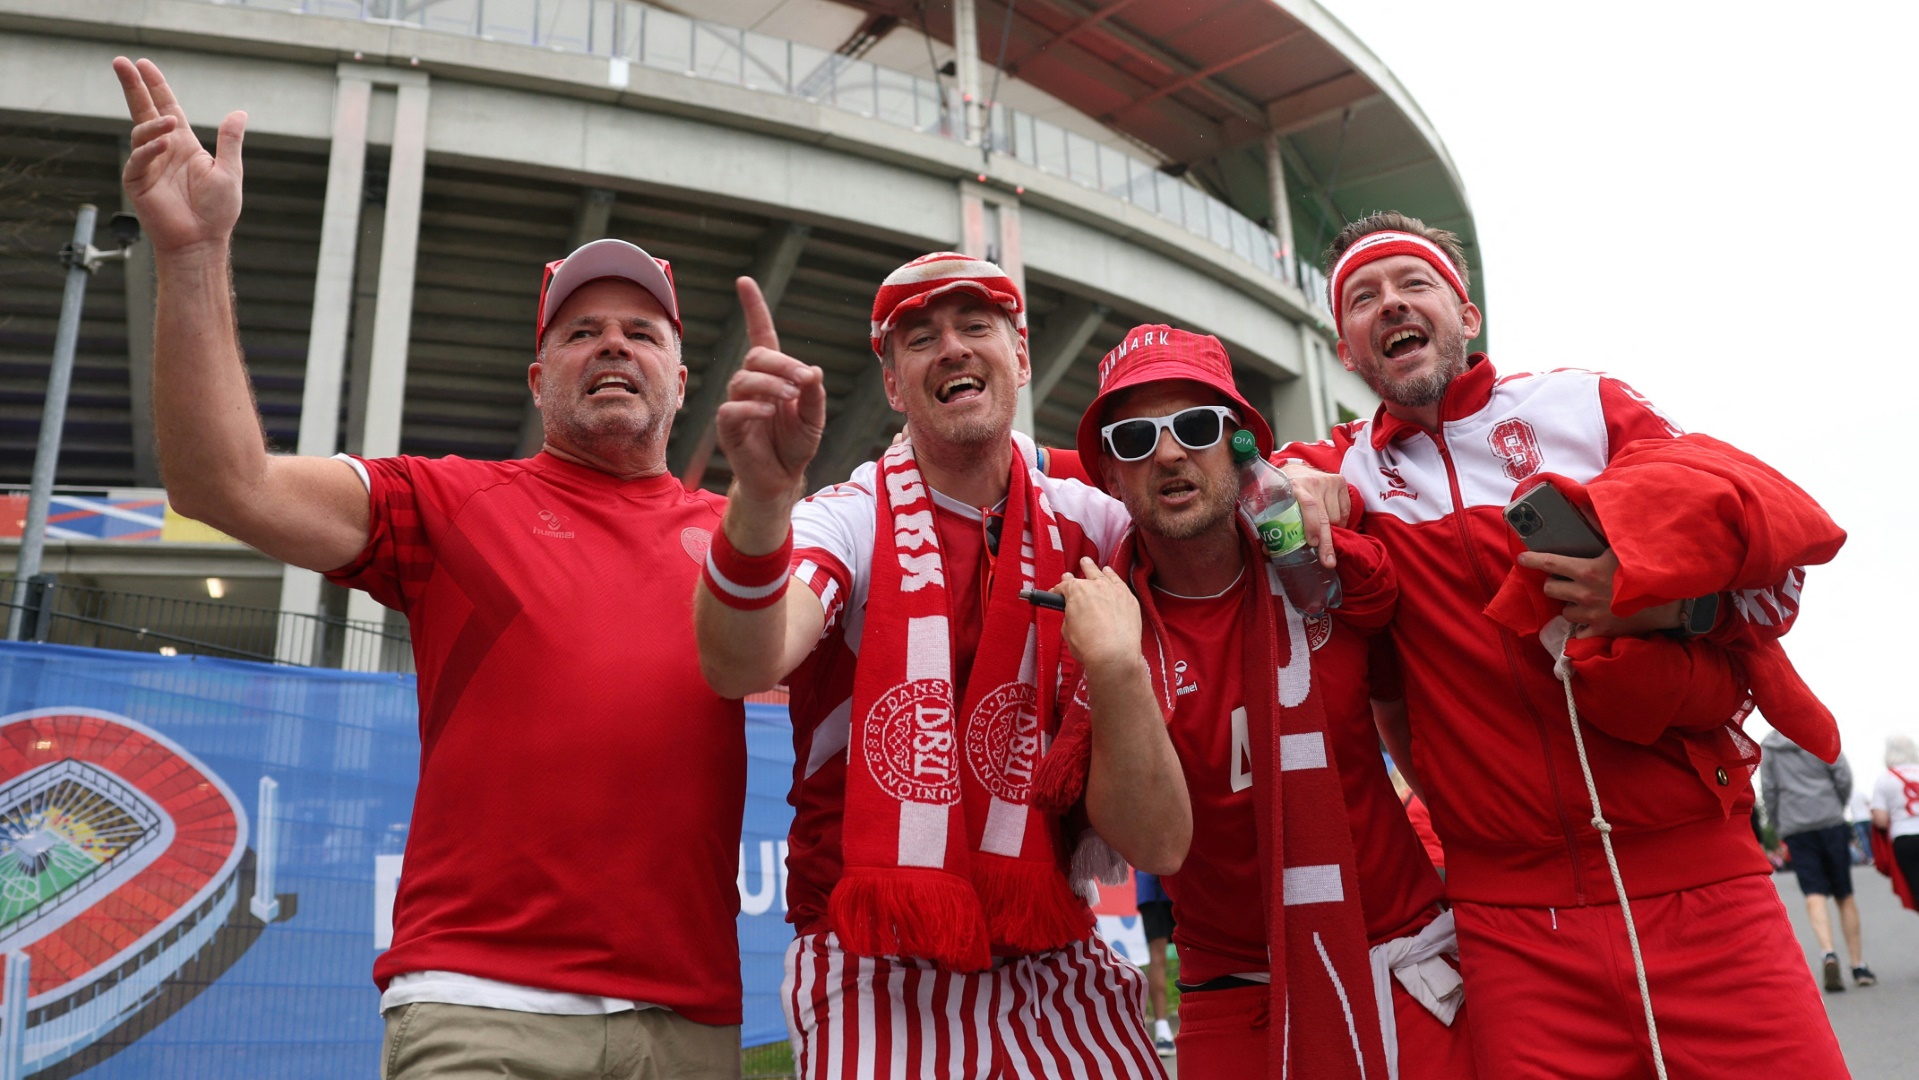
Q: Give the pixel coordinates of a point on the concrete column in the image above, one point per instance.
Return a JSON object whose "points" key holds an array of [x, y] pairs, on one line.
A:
{"points": [[366, 291], [1300, 409], [393, 315], [967, 64], [1057, 344], [399, 251], [327, 338], [1282, 207]]}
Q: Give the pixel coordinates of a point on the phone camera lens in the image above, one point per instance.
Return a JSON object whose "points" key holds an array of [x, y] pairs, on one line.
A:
{"points": [[1526, 520]]}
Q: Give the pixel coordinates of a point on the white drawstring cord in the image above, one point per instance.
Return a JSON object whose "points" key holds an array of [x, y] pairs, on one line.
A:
{"points": [[1564, 670]]}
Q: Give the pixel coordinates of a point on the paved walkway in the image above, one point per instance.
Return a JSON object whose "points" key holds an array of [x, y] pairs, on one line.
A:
{"points": [[1878, 1026]]}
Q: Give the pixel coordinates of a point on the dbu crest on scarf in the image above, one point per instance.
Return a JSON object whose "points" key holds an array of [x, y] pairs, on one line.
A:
{"points": [[1002, 741], [912, 749]]}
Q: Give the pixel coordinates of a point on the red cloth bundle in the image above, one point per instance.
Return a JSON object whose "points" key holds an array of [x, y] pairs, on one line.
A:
{"points": [[1687, 517]]}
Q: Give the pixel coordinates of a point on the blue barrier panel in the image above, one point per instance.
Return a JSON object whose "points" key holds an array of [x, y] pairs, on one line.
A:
{"points": [[197, 860]]}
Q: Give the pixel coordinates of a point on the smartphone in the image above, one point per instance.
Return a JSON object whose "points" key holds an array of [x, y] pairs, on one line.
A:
{"points": [[1546, 521]]}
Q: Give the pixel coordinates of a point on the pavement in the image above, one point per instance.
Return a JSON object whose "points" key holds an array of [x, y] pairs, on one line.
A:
{"points": [[1876, 1025]]}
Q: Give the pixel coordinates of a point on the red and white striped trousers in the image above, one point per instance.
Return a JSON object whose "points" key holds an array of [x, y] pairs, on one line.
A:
{"points": [[1076, 1012]]}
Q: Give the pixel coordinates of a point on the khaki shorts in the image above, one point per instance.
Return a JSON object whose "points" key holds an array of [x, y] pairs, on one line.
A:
{"points": [[430, 1041]]}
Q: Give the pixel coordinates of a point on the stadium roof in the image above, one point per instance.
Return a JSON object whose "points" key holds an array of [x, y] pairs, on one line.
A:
{"points": [[1202, 82]]}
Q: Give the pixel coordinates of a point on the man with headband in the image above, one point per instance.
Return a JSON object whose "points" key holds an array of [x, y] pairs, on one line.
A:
{"points": [[1349, 942], [1555, 962], [939, 930], [588, 935]]}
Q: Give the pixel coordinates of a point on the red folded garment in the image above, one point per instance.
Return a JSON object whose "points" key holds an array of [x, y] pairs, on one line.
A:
{"points": [[1691, 516]]}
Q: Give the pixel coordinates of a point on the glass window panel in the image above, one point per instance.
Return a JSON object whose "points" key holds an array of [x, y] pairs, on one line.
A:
{"points": [[998, 137], [1025, 139], [1082, 159], [1114, 173], [1192, 205], [853, 88], [1171, 197], [895, 97], [629, 28], [566, 24], [343, 9], [813, 72], [766, 60], [716, 52], [602, 36], [1219, 223], [1242, 238], [668, 41], [508, 20], [1049, 143], [926, 105]]}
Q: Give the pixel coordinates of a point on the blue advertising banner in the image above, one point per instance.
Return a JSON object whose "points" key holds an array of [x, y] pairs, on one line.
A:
{"points": [[198, 859]]}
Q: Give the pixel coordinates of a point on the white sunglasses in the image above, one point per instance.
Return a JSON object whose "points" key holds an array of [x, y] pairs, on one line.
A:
{"points": [[1197, 428]]}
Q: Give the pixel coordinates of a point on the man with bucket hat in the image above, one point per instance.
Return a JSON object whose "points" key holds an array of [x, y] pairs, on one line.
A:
{"points": [[567, 903], [1348, 944], [939, 931]]}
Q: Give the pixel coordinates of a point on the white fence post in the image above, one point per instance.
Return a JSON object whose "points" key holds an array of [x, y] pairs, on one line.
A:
{"points": [[13, 1027]]}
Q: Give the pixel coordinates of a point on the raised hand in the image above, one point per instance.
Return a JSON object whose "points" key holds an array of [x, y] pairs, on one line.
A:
{"points": [[769, 426], [187, 199]]}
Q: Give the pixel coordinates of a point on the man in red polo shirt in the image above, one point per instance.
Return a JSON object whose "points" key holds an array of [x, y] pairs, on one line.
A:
{"points": [[1547, 945], [1353, 904], [939, 929], [568, 898]]}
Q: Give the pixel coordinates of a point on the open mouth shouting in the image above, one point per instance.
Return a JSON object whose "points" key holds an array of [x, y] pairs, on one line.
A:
{"points": [[613, 382], [959, 388], [1177, 491], [1402, 342]]}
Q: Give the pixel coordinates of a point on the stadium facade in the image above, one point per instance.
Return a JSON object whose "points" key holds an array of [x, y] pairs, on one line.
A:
{"points": [[411, 165]]}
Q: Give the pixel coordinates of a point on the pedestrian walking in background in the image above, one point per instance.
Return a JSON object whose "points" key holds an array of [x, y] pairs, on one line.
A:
{"points": [[1806, 799], [1895, 808], [1156, 922]]}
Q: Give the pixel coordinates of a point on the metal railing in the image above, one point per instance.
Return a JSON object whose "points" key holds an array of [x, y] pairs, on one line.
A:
{"points": [[637, 33], [62, 614]]}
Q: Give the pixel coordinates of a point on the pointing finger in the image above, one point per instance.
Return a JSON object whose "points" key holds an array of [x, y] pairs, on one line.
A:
{"points": [[759, 318]]}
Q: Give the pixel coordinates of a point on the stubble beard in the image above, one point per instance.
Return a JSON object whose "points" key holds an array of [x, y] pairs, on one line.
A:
{"points": [[1215, 505], [1420, 389], [616, 435]]}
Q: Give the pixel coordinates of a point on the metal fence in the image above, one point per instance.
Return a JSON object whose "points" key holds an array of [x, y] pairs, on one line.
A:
{"points": [[630, 32], [44, 609]]}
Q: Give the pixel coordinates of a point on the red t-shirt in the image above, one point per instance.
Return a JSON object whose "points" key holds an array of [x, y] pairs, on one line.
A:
{"points": [[832, 553], [577, 822], [1220, 928]]}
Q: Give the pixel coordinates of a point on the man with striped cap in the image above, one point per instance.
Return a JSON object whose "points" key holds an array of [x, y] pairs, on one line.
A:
{"points": [[939, 927]]}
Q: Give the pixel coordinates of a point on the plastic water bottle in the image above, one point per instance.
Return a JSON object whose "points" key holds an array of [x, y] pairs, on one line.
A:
{"points": [[1266, 498]]}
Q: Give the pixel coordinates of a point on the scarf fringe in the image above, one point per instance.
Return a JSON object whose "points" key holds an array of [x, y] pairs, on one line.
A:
{"points": [[1060, 780], [1030, 906], [925, 914], [1095, 863]]}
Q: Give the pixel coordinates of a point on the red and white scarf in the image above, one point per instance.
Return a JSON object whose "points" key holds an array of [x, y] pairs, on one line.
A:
{"points": [[1325, 1025], [944, 856]]}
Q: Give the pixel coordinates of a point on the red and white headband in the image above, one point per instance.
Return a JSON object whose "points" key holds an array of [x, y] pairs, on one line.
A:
{"points": [[1381, 245]]}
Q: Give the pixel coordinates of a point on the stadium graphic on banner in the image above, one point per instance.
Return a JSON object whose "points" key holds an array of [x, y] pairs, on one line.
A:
{"points": [[121, 862]]}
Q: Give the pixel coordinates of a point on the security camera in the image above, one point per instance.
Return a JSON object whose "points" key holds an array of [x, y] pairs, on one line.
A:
{"points": [[125, 228]]}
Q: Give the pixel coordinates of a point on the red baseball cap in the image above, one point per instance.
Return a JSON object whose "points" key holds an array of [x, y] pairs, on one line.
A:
{"points": [[1155, 353], [606, 259]]}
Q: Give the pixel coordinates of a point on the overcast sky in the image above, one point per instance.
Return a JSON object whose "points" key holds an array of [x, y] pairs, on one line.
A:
{"points": [[1712, 201]]}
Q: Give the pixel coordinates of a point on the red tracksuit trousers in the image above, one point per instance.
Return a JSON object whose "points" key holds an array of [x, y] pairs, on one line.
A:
{"points": [[1554, 995]]}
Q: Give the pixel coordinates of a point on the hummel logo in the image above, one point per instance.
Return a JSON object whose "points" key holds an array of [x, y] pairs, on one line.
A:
{"points": [[1182, 687], [555, 525]]}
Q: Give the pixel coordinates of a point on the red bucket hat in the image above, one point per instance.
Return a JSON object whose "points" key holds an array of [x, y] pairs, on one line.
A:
{"points": [[606, 259], [1155, 353]]}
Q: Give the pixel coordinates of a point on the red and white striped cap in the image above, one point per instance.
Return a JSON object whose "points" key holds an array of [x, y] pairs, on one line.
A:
{"points": [[918, 282], [1380, 245]]}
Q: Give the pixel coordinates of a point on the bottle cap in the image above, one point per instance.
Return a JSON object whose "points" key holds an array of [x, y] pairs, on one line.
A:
{"points": [[1245, 446]]}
